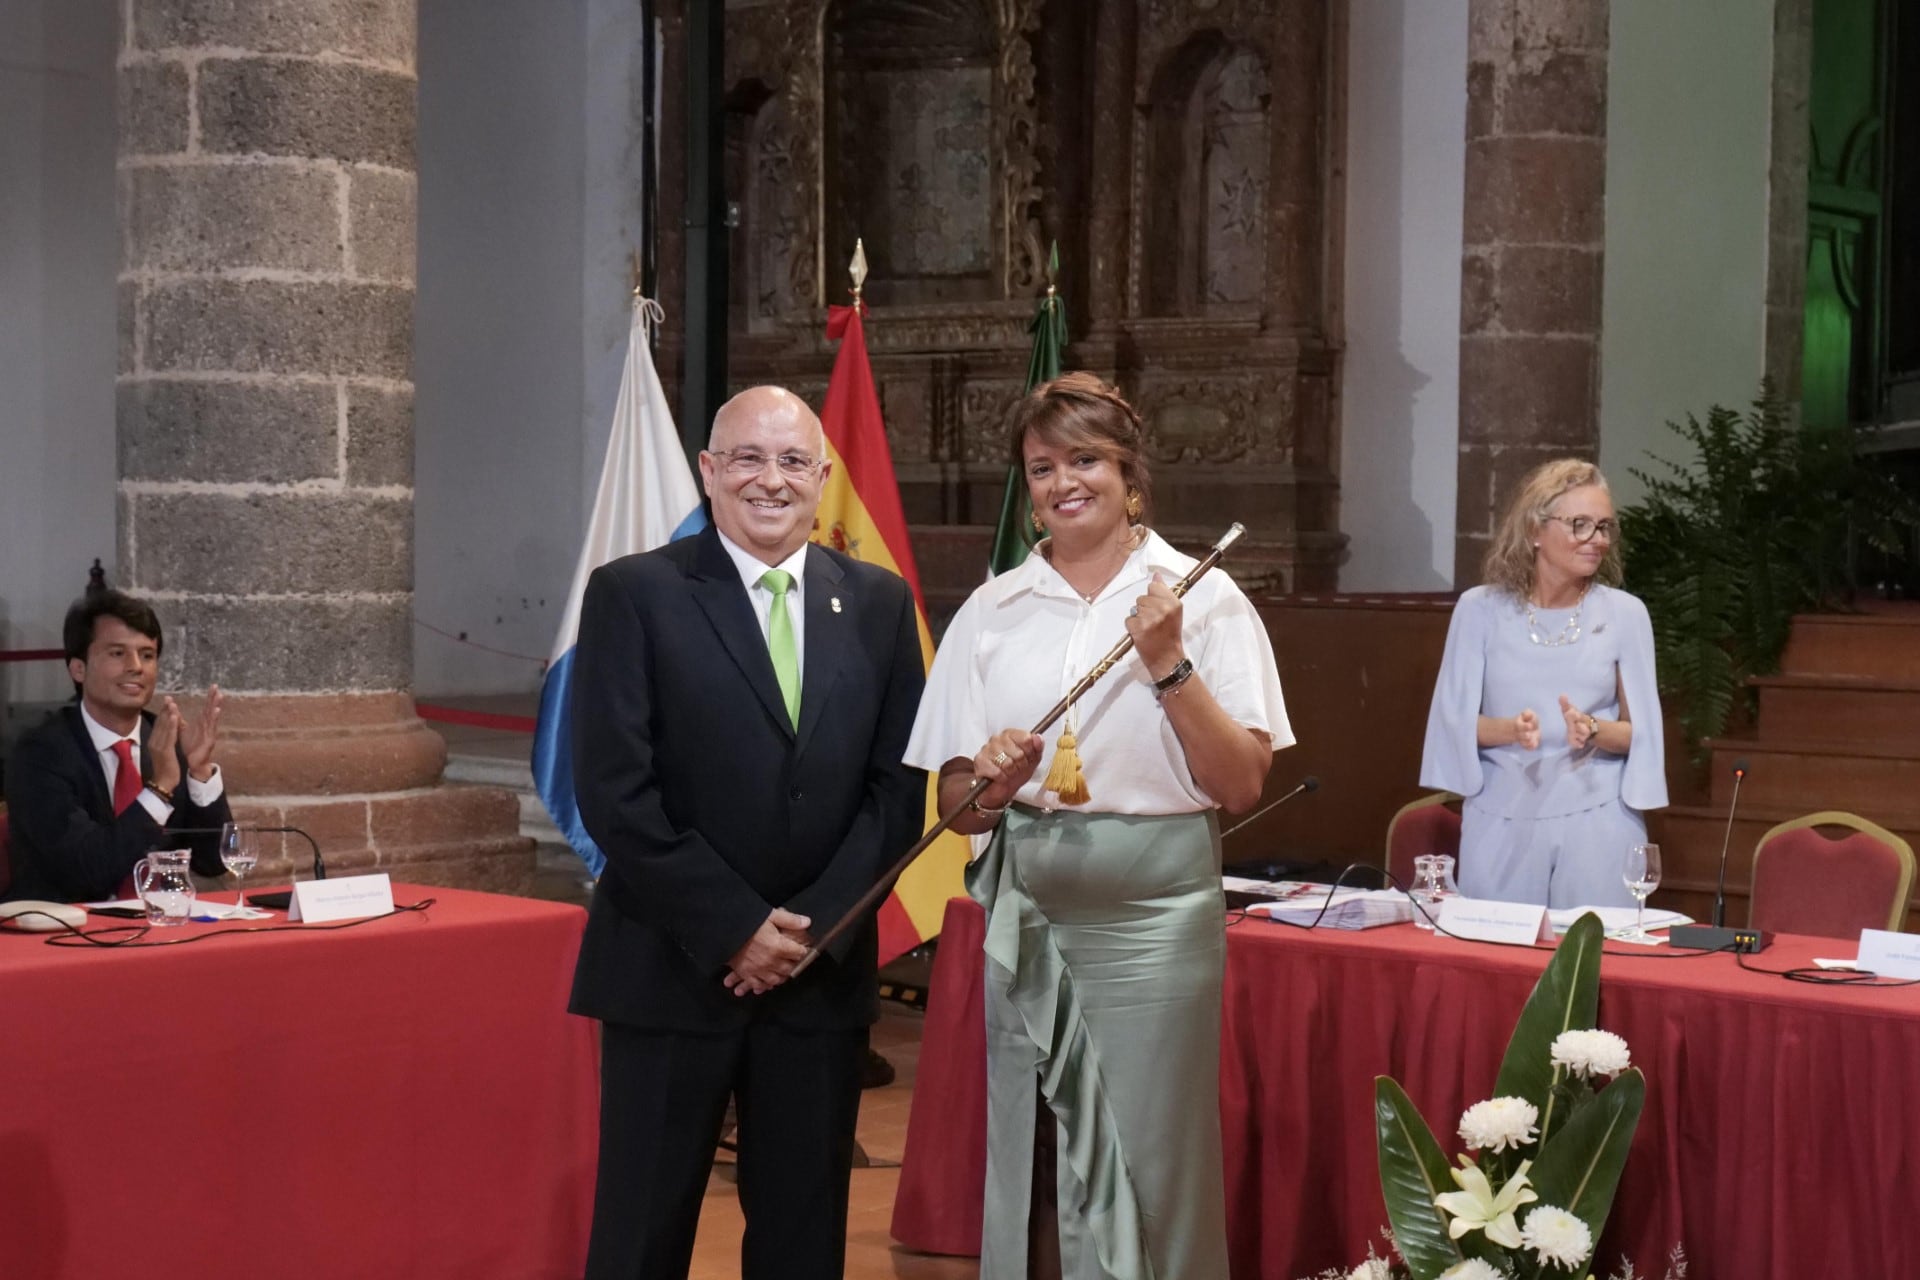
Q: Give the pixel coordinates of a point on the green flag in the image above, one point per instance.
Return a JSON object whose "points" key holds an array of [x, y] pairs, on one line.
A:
{"points": [[1014, 537]]}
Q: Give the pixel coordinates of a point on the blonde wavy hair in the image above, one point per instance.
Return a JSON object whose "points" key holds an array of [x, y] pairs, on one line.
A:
{"points": [[1509, 562]]}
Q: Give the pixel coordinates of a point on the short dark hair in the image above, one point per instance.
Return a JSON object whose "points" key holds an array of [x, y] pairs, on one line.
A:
{"points": [[77, 633]]}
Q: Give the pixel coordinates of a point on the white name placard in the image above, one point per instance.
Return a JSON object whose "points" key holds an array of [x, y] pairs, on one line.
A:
{"points": [[1485, 920], [347, 898], [1891, 955]]}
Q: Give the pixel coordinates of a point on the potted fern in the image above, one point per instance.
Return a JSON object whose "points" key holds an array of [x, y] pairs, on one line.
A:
{"points": [[1760, 524]]}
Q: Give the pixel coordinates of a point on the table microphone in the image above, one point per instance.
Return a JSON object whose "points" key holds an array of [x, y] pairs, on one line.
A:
{"points": [[1716, 937], [1308, 783]]}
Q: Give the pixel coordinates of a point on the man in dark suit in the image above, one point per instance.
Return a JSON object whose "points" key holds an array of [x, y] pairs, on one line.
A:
{"points": [[741, 703], [104, 782]]}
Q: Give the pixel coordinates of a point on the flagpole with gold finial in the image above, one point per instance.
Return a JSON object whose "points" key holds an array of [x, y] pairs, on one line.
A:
{"points": [[857, 268]]}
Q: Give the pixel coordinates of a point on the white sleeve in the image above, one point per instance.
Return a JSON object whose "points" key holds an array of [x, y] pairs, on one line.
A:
{"points": [[952, 721], [1235, 659]]}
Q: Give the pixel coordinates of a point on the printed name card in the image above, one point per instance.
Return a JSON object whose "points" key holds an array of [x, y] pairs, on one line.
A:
{"points": [[345, 898], [1485, 920], [1891, 955]]}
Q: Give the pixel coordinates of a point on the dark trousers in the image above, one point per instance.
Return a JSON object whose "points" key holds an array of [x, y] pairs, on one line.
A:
{"points": [[663, 1097]]}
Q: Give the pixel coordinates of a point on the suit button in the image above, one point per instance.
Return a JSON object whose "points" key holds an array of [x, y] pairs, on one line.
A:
{"points": [[794, 794]]}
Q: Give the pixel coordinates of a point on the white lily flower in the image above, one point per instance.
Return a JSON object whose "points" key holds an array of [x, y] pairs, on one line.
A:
{"points": [[1475, 1207]]}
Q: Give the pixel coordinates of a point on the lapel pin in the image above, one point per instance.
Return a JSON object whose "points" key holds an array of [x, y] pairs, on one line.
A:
{"points": [[835, 602]]}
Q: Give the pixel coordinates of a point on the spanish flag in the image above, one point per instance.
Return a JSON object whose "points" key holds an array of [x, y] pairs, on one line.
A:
{"points": [[860, 516]]}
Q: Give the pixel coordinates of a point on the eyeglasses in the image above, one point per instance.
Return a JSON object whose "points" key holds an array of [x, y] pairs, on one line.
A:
{"points": [[751, 462], [1586, 528]]}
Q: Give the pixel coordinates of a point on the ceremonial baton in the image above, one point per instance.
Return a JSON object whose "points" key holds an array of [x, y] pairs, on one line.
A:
{"points": [[1086, 682]]}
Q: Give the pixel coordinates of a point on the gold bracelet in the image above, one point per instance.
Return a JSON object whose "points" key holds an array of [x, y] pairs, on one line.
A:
{"points": [[160, 791], [987, 812], [1593, 724]]}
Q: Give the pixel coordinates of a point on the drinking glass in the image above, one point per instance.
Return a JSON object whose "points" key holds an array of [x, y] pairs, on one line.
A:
{"points": [[240, 853], [1641, 871]]}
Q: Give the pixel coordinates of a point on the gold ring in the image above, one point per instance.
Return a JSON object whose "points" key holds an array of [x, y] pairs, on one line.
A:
{"points": [[1001, 757]]}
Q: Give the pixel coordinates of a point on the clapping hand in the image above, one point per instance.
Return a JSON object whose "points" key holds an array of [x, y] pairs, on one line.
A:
{"points": [[1579, 724], [198, 733], [769, 956], [1526, 730]]}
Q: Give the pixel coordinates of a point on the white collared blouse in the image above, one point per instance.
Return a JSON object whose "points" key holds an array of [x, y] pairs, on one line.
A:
{"points": [[1023, 639]]}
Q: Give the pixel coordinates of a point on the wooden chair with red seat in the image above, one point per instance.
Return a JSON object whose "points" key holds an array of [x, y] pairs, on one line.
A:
{"points": [[1430, 824], [1805, 881]]}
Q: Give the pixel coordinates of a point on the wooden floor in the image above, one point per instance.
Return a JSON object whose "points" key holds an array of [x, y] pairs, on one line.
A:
{"points": [[871, 1253]]}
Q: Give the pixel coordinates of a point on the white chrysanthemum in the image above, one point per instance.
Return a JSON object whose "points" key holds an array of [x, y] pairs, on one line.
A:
{"points": [[1371, 1269], [1472, 1269], [1498, 1123], [1556, 1236], [1590, 1053]]}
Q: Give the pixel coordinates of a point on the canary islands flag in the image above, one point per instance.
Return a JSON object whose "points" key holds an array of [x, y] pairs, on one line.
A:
{"points": [[647, 498], [860, 515]]}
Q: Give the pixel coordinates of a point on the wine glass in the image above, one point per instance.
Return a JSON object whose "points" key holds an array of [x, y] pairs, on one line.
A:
{"points": [[1641, 871], [240, 853]]}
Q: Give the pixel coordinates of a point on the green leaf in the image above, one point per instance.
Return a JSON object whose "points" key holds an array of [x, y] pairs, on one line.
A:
{"points": [[1413, 1170], [1566, 997], [1579, 1169]]}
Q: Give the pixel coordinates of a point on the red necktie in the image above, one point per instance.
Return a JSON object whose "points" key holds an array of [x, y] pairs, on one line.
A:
{"points": [[126, 782]]}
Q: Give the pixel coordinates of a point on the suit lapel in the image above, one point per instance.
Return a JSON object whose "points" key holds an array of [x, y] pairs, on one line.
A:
{"points": [[718, 591], [829, 617], [96, 775]]}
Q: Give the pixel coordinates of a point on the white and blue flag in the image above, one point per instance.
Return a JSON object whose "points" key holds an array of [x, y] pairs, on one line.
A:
{"points": [[647, 499]]}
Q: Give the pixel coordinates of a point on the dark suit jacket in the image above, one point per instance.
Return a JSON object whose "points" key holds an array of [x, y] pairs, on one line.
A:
{"points": [[68, 846], [711, 809]]}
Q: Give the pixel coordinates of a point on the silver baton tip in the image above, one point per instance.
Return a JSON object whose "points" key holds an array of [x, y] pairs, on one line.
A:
{"points": [[1231, 536]]}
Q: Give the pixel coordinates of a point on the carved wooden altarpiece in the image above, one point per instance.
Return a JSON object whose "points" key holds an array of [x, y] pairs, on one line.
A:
{"points": [[1180, 151]]}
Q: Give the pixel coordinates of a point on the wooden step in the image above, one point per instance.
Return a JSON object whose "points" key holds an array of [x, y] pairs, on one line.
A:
{"points": [[1840, 709], [1883, 643], [1878, 782]]}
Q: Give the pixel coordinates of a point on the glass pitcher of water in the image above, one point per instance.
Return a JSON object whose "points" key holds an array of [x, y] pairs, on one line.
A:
{"points": [[1432, 884], [164, 881]]}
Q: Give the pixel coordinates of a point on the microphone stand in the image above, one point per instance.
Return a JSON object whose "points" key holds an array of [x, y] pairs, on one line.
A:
{"points": [[1716, 936], [872, 896]]}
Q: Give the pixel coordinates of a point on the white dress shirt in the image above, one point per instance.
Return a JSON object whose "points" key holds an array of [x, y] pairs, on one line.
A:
{"points": [[751, 567], [1025, 638], [201, 793]]}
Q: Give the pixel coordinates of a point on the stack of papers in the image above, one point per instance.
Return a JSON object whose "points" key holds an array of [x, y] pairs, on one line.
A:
{"points": [[1344, 908], [1616, 919]]}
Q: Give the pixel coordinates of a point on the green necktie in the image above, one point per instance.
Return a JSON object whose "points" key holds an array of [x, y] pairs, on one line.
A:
{"points": [[786, 655]]}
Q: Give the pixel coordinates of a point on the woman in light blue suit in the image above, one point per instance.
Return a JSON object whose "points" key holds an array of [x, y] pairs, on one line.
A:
{"points": [[1546, 713]]}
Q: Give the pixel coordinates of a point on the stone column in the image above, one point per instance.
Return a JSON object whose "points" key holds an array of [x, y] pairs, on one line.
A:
{"points": [[265, 417], [1535, 223], [1787, 196]]}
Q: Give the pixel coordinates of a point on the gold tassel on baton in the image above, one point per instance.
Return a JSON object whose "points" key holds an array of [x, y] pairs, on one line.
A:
{"points": [[1060, 708]]}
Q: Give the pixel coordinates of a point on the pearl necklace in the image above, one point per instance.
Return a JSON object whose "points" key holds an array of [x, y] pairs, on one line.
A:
{"points": [[1568, 633]]}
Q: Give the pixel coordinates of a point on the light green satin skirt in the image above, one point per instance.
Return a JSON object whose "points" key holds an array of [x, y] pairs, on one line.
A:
{"points": [[1104, 951]]}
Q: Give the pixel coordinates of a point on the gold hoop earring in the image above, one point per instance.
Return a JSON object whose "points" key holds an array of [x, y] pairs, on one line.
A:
{"points": [[1037, 526], [1134, 504]]}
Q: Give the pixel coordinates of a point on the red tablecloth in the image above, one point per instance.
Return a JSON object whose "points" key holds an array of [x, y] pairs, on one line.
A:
{"points": [[1779, 1138], [408, 1097]]}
